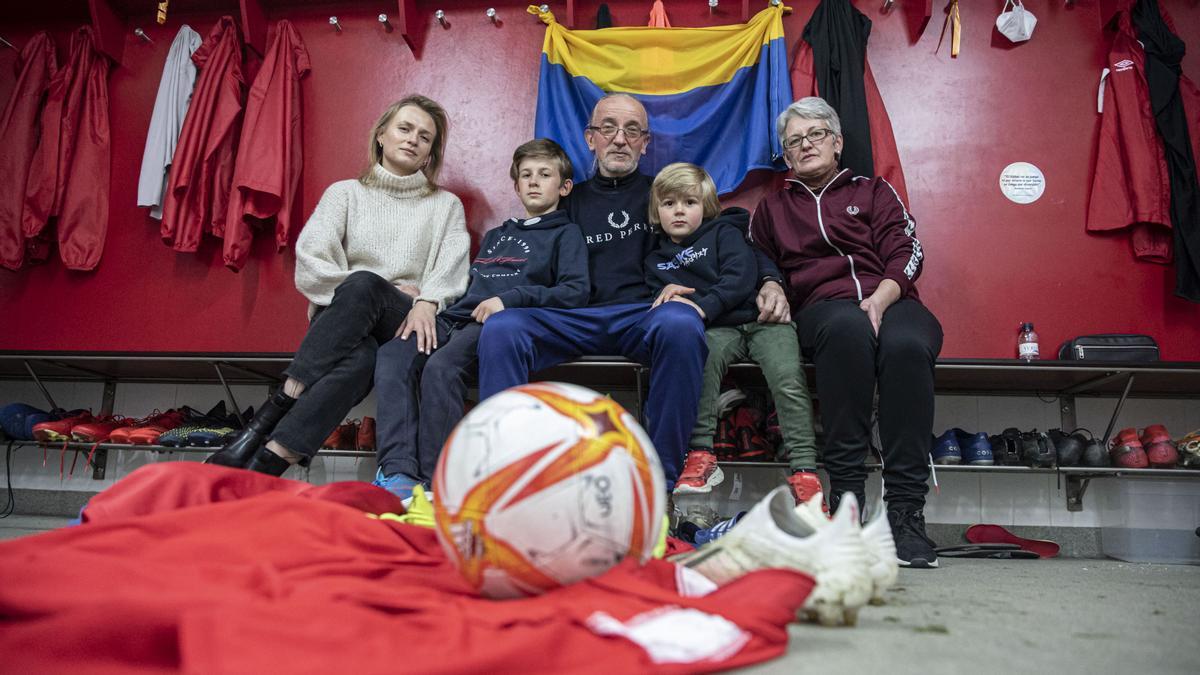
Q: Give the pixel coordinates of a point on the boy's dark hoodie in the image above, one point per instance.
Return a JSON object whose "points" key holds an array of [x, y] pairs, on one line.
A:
{"points": [[532, 262], [717, 261]]}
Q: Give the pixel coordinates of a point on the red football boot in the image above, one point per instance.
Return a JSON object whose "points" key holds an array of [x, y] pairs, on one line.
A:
{"points": [[98, 430], [700, 473], [148, 432], [1161, 453], [60, 430], [724, 442], [805, 485], [1126, 450]]}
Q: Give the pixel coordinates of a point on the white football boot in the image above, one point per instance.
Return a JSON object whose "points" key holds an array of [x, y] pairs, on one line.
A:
{"points": [[772, 535], [876, 535]]}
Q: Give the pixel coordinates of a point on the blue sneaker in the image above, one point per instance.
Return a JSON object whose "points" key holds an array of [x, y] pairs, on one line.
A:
{"points": [[17, 420], [976, 449], [398, 484], [717, 531], [945, 449]]}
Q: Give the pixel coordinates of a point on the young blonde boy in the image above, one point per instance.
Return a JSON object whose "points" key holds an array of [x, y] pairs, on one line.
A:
{"points": [[704, 260]]}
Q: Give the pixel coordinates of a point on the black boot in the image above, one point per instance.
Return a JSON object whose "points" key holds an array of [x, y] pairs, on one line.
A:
{"points": [[265, 461], [239, 451]]}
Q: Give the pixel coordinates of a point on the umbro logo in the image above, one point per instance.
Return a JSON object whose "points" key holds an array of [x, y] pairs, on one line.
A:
{"points": [[1123, 65]]}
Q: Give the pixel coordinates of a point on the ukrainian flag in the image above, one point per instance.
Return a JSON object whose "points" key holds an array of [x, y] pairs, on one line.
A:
{"points": [[712, 93]]}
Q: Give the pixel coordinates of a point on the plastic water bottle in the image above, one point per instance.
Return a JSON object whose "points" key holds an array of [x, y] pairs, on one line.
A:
{"points": [[1027, 343]]}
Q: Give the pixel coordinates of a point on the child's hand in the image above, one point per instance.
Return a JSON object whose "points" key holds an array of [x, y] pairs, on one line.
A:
{"points": [[680, 298], [670, 292], [487, 308]]}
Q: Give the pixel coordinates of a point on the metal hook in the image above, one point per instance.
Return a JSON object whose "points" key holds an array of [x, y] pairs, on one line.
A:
{"points": [[7, 44], [712, 4], [441, 18], [543, 8], [333, 21], [887, 5], [491, 14], [383, 19], [142, 34]]}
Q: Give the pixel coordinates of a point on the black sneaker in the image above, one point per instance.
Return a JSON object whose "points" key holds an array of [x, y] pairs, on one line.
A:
{"points": [[914, 549]]}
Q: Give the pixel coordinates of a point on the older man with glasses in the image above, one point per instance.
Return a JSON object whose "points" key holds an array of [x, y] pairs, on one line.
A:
{"points": [[612, 209]]}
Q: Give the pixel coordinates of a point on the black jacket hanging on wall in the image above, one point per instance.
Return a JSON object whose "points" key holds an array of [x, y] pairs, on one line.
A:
{"points": [[838, 35], [1164, 52]]}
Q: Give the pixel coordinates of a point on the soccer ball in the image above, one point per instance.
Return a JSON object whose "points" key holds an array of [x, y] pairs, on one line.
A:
{"points": [[543, 485]]}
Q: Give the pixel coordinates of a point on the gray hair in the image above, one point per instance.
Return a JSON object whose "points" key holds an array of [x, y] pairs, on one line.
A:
{"points": [[809, 108]]}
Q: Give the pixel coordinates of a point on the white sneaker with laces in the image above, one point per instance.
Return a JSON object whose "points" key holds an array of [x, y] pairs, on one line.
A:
{"points": [[772, 535], [876, 535]]}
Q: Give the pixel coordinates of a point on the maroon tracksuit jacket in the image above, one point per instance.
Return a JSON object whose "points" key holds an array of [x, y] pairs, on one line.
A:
{"points": [[838, 243]]}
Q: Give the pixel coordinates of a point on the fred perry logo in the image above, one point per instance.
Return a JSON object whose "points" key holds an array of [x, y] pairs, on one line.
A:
{"points": [[852, 210], [612, 221]]}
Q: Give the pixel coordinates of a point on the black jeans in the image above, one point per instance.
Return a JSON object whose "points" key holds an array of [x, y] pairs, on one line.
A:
{"points": [[421, 397], [850, 361], [336, 360]]}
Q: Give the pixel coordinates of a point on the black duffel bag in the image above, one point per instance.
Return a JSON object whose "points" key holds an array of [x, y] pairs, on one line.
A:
{"points": [[1110, 347]]}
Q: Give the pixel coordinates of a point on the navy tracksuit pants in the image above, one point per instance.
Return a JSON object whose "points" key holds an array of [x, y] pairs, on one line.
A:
{"points": [[668, 338]]}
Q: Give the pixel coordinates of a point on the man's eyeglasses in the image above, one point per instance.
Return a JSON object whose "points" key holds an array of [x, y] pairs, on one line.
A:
{"points": [[816, 136], [609, 131]]}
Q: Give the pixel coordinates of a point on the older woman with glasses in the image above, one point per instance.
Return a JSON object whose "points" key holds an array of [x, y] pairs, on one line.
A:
{"points": [[848, 251]]}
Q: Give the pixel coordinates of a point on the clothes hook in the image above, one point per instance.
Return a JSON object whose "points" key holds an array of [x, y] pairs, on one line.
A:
{"points": [[543, 8], [887, 5], [441, 18], [712, 4], [333, 21], [7, 43], [142, 34], [491, 14], [383, 19]]}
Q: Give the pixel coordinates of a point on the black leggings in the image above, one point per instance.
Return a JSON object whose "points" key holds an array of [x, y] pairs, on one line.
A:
{"points": [[336, 360], [851, 361]]}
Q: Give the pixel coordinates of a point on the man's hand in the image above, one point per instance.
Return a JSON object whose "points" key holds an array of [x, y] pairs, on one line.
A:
{"points": [[773, 304], [680, 298], [487, 308], [670, 292], [878, 302], [422, 322]]}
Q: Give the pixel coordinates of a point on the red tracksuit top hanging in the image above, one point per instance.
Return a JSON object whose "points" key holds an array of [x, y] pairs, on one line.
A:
{"points": [[18, 141], [1129, 187], [839, 18], [202, 169], [266, 177], [69, 176]]}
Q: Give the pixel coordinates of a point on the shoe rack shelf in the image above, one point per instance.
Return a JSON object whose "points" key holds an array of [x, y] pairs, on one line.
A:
{"points": [[1061, 380]]}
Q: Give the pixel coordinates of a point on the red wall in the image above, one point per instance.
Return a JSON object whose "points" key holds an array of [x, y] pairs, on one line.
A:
{"points": [[990, 264]]}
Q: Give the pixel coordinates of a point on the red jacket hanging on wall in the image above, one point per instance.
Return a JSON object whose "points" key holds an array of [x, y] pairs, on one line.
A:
{"points": [[1129, 186], [69, 176], [883, 142], [18, 141], [202, 169], [267, 173]]}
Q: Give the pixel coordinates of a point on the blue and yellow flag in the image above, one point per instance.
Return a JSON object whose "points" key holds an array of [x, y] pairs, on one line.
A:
{"points": [[712, 93]]}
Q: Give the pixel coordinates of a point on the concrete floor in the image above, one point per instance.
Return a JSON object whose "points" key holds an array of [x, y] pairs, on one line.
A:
{"points": [[989, 616]]}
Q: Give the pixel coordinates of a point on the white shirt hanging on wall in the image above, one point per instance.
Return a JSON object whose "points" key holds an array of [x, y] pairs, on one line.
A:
{"points": [[170, 107]]}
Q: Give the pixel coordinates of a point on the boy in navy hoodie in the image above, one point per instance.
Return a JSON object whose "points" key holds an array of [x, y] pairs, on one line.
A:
{"points": [[537, 261], [704, 261]]}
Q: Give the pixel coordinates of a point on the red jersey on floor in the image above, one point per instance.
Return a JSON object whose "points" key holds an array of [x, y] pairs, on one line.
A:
{"points": [[202, 168], [278, 579], [18, 140], [266, 177]]}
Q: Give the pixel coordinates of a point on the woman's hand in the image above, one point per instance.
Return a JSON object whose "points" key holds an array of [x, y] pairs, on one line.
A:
{"points": [[487, 308], [422, 322], [410, 290], [773, 304], [670, 292], [875, 305], [680, 298]]}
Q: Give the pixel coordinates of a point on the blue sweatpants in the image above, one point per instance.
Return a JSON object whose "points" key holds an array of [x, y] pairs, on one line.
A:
{"points": [[668, 338]]}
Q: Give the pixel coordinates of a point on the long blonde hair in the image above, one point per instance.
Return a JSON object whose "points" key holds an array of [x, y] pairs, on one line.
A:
{"points": [[437, 153]]}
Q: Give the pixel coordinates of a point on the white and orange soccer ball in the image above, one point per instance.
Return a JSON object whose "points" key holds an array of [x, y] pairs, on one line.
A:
{"points": [[543, 485]]}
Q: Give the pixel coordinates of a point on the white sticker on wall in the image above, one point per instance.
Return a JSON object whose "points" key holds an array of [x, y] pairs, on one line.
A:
{"points": [[1022, 182]]}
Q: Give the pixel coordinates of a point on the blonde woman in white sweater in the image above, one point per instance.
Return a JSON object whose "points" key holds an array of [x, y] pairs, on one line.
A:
{"points": [[379, 258]]}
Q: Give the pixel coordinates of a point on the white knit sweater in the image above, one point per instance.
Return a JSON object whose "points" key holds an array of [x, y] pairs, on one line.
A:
{"points": [[400, 228]]}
